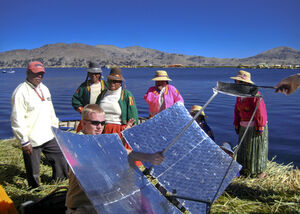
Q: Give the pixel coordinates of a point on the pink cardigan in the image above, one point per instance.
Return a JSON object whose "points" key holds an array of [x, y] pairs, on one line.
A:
{"points": [[171, 96], [244, 109]]}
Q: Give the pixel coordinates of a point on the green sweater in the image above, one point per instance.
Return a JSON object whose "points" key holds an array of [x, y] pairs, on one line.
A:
{"points": [[128, 106], [82, 95]]}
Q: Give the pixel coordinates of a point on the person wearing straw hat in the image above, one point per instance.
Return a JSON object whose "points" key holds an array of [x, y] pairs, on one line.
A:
{"points": [[88, 92], [253, 151], [118, 104], [201, 120], [162, 95]]}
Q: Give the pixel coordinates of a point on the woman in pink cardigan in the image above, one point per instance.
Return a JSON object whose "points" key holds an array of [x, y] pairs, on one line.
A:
{"points": [[253, 152], [162, 95]]}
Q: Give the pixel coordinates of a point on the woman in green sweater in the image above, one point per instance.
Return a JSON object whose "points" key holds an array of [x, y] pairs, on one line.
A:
{"points": [[118, 104]]}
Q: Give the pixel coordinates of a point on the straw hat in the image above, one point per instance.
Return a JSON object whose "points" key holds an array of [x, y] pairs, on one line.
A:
{"points": [[196, 108], [115, 74], [226, 146], [94, 68], [161, 75], [243, 76]]}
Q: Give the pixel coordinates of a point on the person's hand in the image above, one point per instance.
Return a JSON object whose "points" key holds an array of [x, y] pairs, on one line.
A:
{"points": [[130, 123], [27, 149], [288, 85], [156, 158], [153, 158], [237, 130]]}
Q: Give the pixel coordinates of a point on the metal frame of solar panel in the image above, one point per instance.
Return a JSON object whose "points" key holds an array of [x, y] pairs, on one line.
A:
{"points": [[194, 167], [100, 164]]}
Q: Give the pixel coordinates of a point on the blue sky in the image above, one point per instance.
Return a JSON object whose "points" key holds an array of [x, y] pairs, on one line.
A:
{"points": [[210, 28]]}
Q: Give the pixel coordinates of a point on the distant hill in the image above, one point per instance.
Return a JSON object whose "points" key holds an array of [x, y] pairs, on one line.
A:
{"points": [[279, 55], [78, 55]]}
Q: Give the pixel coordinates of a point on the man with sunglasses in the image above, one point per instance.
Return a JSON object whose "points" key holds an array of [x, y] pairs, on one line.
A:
{"points": [[93, 120], [31, 120]]}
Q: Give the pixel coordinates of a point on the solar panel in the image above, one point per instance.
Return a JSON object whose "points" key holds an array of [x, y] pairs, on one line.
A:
{"points": [[194, 166], [100, 164]]}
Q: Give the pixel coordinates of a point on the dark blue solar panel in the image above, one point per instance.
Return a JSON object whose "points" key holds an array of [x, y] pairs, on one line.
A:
{"points": [[194, 166]]}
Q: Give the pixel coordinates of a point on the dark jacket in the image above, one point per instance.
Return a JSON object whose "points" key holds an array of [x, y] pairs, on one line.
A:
{"points": [[82, 95]]}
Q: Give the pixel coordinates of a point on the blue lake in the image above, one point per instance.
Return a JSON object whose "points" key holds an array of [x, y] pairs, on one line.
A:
{"points": [[195, 85]]}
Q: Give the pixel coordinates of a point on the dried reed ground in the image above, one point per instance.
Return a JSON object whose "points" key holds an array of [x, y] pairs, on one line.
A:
{"points": [[278, 193]]}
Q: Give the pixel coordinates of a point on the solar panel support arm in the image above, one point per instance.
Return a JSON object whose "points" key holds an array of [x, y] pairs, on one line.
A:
{"points": [[191, 121], [191, 199]]}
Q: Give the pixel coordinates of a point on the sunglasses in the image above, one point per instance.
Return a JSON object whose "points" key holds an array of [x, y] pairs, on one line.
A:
{"points": [[116, 81], [96, 122]]}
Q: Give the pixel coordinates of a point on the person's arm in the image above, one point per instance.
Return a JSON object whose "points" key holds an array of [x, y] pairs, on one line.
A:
{"points": [[154, 158], [18, 122], [260, 116], [151, 97], [77, 99], [54, 119], [237, 118], [178, 97], [132, 111], [288, 85]]}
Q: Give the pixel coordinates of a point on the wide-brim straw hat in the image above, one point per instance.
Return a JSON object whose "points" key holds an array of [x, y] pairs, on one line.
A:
{"points": [[115, 74], [196, 108], [243, 76], [161, 75], [94, 68]]}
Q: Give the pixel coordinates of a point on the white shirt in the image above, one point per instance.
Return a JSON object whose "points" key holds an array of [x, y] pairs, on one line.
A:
{"points": [[95, 91], [32, 118], [111, 107]]}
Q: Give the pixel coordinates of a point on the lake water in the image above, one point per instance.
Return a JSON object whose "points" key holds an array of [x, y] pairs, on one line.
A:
{"points": [[195, 85]]}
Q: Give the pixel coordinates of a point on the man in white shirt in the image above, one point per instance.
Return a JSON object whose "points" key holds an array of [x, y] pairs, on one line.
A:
{"points": [[31, 120]]}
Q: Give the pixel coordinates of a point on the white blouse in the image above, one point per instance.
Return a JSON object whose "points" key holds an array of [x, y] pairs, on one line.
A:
{"points": [[111, 107]]}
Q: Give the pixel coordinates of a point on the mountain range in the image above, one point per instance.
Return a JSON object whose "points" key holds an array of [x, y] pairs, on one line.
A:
{"points": [[78, 55]]}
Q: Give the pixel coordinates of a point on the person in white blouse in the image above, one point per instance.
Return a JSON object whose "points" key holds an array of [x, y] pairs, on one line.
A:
{"points": [[31, 120]]}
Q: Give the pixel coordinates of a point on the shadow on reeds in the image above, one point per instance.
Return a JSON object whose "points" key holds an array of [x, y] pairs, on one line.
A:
{"points": [[45, 179], [243, 192], [8, 172]]}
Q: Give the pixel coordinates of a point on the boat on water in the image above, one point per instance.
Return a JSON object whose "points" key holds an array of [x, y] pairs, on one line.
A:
{"points": [[8, 72], [71, 123]]}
